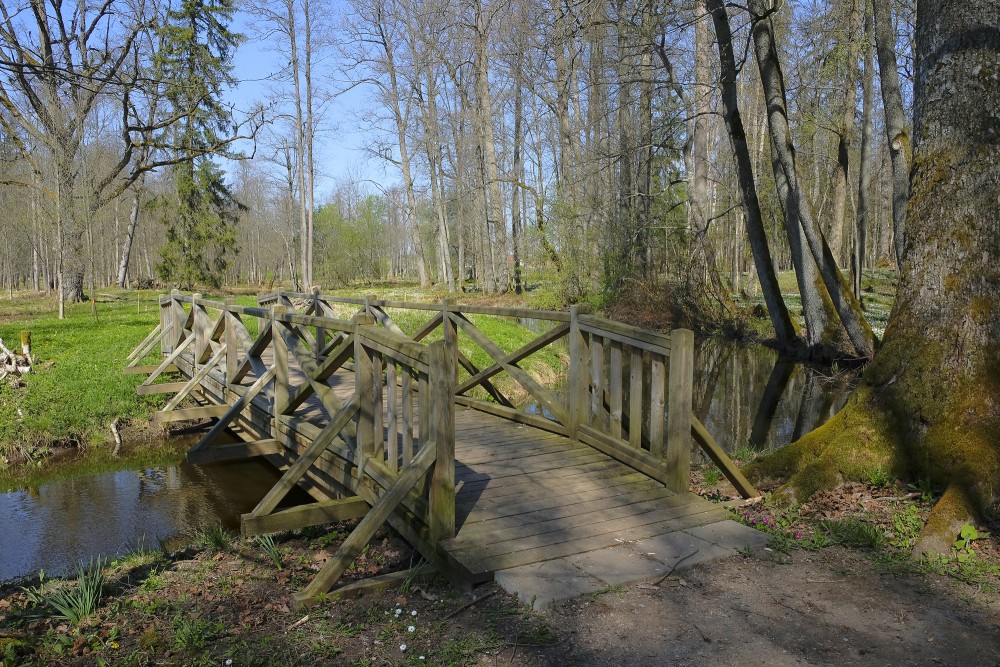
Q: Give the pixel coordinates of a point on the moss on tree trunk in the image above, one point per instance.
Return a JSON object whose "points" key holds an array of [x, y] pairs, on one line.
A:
{"points": [[928, 407]]}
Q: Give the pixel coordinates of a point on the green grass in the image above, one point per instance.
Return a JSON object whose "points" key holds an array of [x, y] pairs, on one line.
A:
{"points": [[73, 399]]}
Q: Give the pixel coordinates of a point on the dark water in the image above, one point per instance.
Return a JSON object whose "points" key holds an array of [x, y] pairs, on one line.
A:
{"points": [[55, 525], [748, 395]]}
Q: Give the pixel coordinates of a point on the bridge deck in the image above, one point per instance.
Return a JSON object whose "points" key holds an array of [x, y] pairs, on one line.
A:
{"points": [[524, 495]]}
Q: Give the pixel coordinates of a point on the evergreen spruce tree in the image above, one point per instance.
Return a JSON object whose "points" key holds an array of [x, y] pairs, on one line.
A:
{"points": [[195, 63]]}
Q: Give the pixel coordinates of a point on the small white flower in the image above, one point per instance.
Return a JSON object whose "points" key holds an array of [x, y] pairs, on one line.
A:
{"points": [[229, 661], [411, 629], [421, 657], [413, 613], [402, 647]]}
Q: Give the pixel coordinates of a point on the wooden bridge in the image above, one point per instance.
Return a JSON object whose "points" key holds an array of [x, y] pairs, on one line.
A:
{"points": [[383, 426]]}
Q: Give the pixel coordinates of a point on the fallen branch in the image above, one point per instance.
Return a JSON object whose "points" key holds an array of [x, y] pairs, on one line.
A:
{"points": [[467, 605]]}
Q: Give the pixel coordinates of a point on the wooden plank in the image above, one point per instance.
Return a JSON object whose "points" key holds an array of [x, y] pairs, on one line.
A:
{"points": [[539, 393], [541, 462], [281, 488], [480, 509], [721, 459], [635, 399], [161, 388], [596, 418], [657, 384], [512, 415], [392, 427], [383, 582], [234, 411], [634, 458], [378, 416], [514, 357], [303, 516], [544, 520], [234, 452], [363, 533], [184, 414], [195, 380], [624, 333], [482, 568], [441, 380], [166, 363], [615, 520], [408, 425], [146, 346], [603, 472], [615, 379], [536, 516], [677, 459], [149, 368]]}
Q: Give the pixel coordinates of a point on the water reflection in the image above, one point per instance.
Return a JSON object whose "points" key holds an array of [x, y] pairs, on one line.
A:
{"points": [[748, 394], [55, 525]]}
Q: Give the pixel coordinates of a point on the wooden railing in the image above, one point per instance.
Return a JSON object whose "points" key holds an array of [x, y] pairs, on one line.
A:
{"points": [[628, 395], [628, 392]]}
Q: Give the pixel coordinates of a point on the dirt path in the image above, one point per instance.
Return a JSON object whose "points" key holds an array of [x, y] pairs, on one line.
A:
{"points": [[835, 606]]}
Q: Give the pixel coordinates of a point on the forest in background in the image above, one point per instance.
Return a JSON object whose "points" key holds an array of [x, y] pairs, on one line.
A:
{"points": [[589, 146]]}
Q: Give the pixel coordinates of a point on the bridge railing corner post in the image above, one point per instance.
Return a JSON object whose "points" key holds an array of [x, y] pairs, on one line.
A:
{"points": [[441, 375], [579, 361], [680, 387]]}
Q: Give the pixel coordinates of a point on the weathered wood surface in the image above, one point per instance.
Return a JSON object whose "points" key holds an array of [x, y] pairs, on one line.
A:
{"points": [[374, 424]]}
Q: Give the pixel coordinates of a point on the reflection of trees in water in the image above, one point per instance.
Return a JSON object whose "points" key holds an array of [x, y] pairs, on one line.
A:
{"points": [[748, 394], [73, 519]]}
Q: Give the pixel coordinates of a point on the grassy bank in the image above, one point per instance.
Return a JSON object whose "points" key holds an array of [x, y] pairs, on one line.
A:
{"points": [[76, 388]]}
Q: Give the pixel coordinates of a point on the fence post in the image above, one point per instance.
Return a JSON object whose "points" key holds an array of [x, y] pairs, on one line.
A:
{"points": [[280, 364], [166, 326], [178, 317], [441, 376], [677, 460], [364, 386], [579, 370], [232, 341], [317, 311]]}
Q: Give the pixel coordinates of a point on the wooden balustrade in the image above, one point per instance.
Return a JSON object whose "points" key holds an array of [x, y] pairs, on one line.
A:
{"points": [[628, 395]]}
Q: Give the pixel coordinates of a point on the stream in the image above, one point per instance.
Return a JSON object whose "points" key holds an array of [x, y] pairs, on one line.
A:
{"points": [[745, 395]]}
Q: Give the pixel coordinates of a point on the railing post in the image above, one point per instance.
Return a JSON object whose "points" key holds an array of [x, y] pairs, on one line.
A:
{"points": [[198, 318], [280, 364], [166, 326], [364, 385], [579, 370], [679, 403], [320, 331], [178, 316], [441, 375], [232, 341]]}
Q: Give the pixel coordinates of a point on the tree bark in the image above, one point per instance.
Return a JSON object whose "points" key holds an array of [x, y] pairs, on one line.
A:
{"points": [[847, 307], [865, 159], [895, 121], [928, 407], [784, 328]]}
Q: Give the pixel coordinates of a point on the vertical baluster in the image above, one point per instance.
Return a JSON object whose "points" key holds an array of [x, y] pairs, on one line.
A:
{"points": [[615, 379], [635, 398], [657, 379], [597, 382], [391, 401], [378, 433], [406, 394]]}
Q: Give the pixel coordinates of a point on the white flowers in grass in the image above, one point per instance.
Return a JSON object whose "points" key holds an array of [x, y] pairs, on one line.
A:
{"points": [[411, 629], [402, 647]]}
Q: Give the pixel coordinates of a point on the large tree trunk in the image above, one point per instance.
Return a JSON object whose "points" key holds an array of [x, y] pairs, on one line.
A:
{"points": [[865, 159], [928, 406]]}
